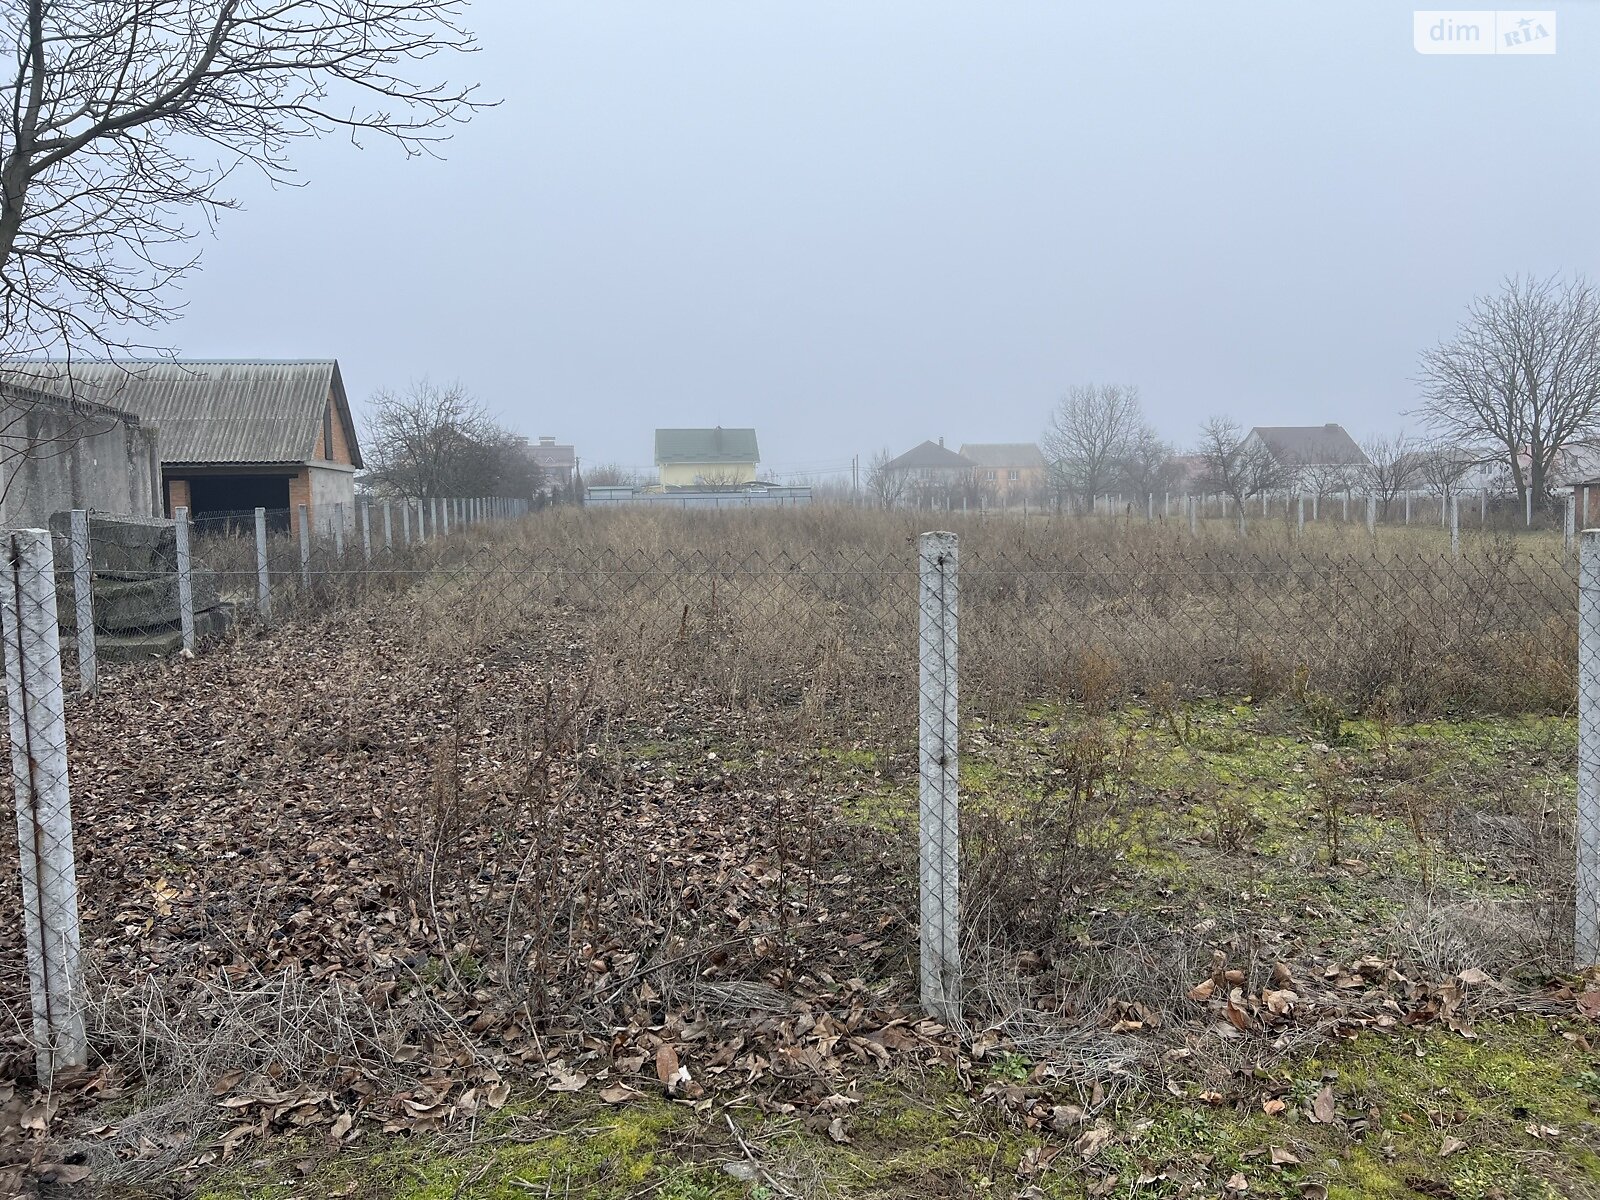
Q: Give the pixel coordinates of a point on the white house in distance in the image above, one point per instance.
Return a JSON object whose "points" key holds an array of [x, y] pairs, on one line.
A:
{"points": [[1305, 449], [706, 457]]}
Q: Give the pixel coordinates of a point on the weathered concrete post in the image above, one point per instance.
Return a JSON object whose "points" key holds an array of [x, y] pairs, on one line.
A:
{"points": [[35, 717], [180, 529], [263, 584], [1586, 930], [939, 788]]}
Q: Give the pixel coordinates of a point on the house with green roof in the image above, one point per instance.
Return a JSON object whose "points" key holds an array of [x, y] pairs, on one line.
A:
{"points": [[706, 457]]}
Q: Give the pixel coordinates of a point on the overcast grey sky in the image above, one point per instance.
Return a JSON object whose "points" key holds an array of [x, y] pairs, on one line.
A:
{"points": [[857, 223]]}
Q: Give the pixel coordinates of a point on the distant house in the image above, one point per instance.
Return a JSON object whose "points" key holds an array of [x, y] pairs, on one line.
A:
{"points": [[1326, 451], [557, 464], [931, 463], [235, 435], [706, 457], [1008, 469], [1187, 473]]}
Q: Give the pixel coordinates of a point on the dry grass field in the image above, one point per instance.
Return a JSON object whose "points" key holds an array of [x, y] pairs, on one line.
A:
{"points": [[577, 857]]}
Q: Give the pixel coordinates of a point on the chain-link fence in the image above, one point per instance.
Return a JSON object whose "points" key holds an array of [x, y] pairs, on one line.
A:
{"points": [[506, 681]]}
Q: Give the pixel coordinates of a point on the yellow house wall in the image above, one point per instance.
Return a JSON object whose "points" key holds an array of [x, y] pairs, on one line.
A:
{"points": [[688, 474]]}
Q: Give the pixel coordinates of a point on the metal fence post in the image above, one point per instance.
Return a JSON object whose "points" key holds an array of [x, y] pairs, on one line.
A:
{"points": [[83, 601], [939, 730], [1586, 929], [263, 582], [37, 723], [180, 529], [305, 549]]}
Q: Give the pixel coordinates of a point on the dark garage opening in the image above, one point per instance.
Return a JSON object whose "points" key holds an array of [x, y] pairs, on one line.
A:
{"points": [[212, 497]]}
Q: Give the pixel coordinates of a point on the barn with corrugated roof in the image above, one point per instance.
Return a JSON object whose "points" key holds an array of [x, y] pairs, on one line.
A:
{"points": [[235, 435]]}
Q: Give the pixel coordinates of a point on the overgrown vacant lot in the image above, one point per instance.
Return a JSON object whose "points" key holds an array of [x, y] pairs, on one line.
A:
{"points": [[514, 876]]}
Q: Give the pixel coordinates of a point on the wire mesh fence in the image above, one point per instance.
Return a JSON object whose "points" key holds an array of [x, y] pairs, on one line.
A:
{"points": [[539, 655]]}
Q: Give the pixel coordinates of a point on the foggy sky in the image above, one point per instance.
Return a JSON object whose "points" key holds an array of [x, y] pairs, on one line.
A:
{"points": [[859, 223]]}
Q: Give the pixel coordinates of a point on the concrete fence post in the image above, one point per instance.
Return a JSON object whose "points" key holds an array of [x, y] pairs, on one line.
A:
{"points": [[1149, 508], [1455, 526], [1586, 929], [434, 506], [444, 516], [1483, 506], [405, 522], [83, 600], [180, 528], [1346, 515], [1194, 517], [388, 526], [305, 549], [338, 532], [1408, 508], [1568, 522], [1372, 514], [422, 524], [263, 583], [36, 720], [366, 530], [1528, 504], [1300, 513], [939, 843]]}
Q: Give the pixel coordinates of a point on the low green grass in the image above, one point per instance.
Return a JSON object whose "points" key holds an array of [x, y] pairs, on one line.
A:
{"points": [[1508, 1114]]}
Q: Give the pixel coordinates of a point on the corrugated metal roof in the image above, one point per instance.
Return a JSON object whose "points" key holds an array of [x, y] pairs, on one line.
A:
{"points": [[717, 445], [1003, 454], [217, 411]]}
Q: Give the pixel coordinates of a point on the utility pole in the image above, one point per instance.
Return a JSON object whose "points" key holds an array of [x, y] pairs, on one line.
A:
{"points": [[855, 480]]}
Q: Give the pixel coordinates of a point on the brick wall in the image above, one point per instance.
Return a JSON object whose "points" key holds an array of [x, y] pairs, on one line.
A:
{"points": [[300, 493], [341, 438], [177, 495]]}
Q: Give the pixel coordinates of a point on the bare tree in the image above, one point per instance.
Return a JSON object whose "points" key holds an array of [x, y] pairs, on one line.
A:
{"points": [[1237, 466], [1392, 469], [437, 440], [128, 116], [1521, 375], [1442, 466], [1148, 466], [610, 474], [885, 484], [1088, 441]]}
